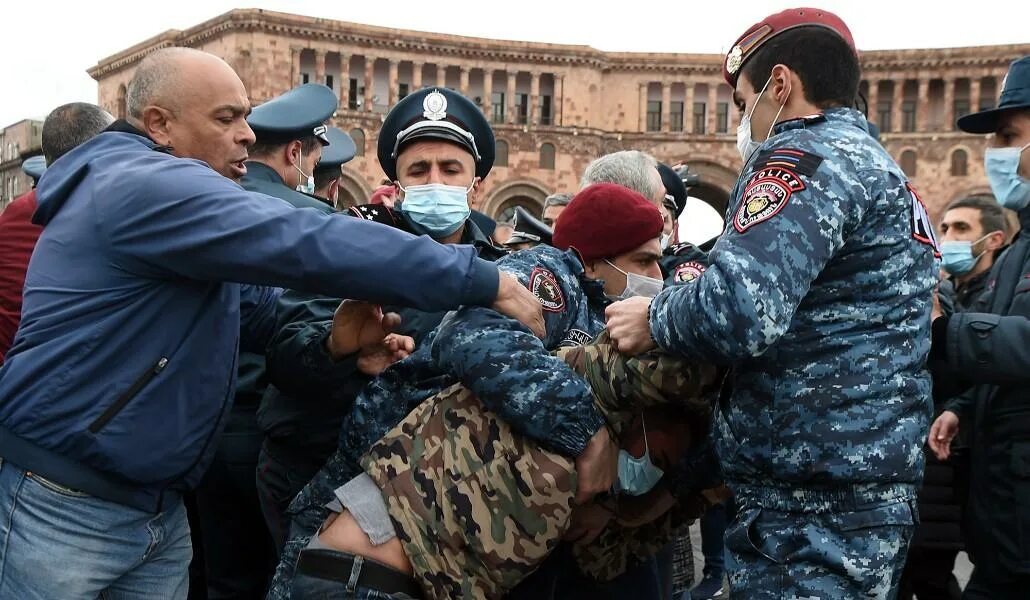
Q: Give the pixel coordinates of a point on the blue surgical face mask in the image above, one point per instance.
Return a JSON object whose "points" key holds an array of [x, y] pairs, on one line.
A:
{"points": [[435, 209], [957, 256], [637, 476], [309, 186], [1002, 166]]}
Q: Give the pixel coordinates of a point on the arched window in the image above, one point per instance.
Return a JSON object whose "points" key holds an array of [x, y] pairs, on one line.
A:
{"points": [[959, 163], [908, 162], [359, 141], [121, 102], [547, 156], [506, 211], [501, 154]]}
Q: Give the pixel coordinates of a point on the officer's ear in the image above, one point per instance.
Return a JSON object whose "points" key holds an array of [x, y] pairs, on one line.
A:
{"points": [[473, 195], [293, 152], [591, 268], [782, 84]]}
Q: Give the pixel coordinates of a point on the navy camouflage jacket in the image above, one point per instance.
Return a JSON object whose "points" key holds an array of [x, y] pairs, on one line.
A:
{"points": [[499, 359], [818, 294]]}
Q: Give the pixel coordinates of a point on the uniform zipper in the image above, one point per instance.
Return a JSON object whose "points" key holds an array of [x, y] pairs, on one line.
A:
{"points": [[122, 400]]}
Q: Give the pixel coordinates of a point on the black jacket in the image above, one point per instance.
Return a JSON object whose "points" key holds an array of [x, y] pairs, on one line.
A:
{"points": [[301, 413], [989, 348]]}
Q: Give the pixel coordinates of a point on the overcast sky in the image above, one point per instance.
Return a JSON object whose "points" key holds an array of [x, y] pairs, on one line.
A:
{"points": [[46, 46]]}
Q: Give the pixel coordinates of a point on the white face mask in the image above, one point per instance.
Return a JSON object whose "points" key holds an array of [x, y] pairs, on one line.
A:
{"points": [[309, 187], [638, 285], [666, 238], [746, 145]]}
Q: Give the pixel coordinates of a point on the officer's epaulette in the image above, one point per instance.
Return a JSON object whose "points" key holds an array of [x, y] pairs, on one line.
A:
{"points": [[797, 161], [681, 248], [380, 213]]}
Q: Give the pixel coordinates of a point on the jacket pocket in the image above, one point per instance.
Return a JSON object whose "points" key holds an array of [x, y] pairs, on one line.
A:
{"points": [[123, 399]]}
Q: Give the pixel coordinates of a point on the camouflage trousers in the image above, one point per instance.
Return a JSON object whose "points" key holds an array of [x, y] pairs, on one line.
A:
{"points": [[828, 555]]}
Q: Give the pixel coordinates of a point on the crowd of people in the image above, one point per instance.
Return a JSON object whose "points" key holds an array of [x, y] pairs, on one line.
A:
{"points": [[217, 380]]}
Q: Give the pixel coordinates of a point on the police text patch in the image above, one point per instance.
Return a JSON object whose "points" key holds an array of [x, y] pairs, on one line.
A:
{"points": [[765, 194], [546, 289], [688, 271], [575, 337]]}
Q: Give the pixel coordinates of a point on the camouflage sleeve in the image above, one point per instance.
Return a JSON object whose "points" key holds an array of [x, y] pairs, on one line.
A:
{"points": [[786, 223], [511, 370]]}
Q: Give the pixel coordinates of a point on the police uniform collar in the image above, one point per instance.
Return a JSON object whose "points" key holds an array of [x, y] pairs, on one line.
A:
{"points": [[839, 114], [593, 288], [260, 171]]}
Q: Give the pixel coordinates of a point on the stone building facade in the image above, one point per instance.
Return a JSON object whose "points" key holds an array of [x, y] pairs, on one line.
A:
{"points": [[556, 107], [18, 141]]}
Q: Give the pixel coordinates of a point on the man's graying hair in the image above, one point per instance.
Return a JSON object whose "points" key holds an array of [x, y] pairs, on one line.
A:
{"points": [[557, 200], [69, 125], [629, 168], [156, 76]]}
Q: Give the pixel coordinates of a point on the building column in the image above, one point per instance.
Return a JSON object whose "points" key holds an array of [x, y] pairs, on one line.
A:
{"points": [[344, 82], [897, 116], [713, 98], [559, 99], [666, 106], [949, 104], [488, 94], [295, 64], [416, 76], [463, 81], [534, 98], [441, 76], [688, 107], [319, 67], [874, 100], [511, 96], [923, 106], [974, 94], [643, 107], [369, 82], [394, 80]]}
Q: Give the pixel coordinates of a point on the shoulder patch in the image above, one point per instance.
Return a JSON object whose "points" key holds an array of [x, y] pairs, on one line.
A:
{"points": [[546, 289], [765, 194], [922, 226], [688, 271], [798, 161], [575, 337]]}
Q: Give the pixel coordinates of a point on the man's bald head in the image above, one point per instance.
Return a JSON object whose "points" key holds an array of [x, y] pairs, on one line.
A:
{"points": [[169, 76], [194, 104]]}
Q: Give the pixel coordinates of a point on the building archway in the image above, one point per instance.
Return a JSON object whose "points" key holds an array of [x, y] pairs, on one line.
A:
{"points": [[716, 183], [524, 192], [353, 190]]}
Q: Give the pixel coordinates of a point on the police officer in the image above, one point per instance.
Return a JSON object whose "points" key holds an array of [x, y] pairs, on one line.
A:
{"points": [[290, 133], [817, 294], [34, 167], [681, 262], [436, 146], [528, 231], [987, 346], [340, 150]]}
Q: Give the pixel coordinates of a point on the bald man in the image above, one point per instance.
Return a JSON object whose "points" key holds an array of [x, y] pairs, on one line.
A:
{"points": [[153, 269]]}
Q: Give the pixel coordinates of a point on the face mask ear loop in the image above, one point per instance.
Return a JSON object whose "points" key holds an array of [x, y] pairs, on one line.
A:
{"points": [[643, 425]]}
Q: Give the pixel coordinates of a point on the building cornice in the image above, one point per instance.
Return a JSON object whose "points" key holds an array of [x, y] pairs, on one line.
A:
{"points": [[384, 39]]}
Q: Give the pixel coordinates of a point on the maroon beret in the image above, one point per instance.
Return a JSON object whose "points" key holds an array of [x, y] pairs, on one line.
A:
{"points": [[773, 25], [605, 220]]}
